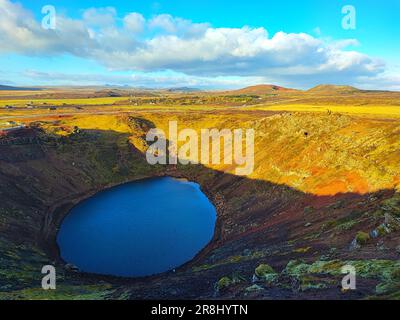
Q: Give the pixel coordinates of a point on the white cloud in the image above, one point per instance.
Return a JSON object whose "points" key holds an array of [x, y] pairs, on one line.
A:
{"points": [[150, 80], [196, 49], [134, 22], [171, 25], [165, 22], [99, 17], [20, 33]]}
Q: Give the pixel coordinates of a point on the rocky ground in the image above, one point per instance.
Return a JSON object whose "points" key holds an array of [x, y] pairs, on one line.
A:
{"points": [[324, 194]]}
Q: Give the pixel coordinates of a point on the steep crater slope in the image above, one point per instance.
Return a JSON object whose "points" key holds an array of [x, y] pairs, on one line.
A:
{"points": [[323, 194]]}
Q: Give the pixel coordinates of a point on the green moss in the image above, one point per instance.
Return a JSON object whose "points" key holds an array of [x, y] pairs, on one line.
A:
{"points": [[329, 225], [362, 238], [224, 283], [308, 210], [337, 205], [235, 259], [327, 267], [230, 260], [390, 283], [296, 267], [365, 268], [381, 230], [312, 283], [203, 267], [302, 250], [264, 270], [95, 292], [266, 273], [395, 274], [346, 226], [392, 205], [386, 271], [387, 291], [378, 214]]}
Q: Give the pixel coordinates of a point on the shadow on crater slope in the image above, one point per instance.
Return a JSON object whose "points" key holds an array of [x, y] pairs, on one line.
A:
{"points": [[304, 238]]}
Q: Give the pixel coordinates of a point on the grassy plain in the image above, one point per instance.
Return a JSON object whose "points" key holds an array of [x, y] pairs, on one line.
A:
{"points": [[379, 111]]}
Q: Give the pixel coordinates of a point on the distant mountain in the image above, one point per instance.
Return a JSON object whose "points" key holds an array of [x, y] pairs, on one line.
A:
{"points": [[184, 89], [262, 89], [10, 88], [333, 89]]}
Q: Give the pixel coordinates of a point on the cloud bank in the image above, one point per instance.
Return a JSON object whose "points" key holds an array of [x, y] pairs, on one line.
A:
{"points": [[136, 44]]}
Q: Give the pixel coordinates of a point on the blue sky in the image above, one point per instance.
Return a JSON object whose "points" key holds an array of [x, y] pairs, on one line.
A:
{"points": [[210, 44]]}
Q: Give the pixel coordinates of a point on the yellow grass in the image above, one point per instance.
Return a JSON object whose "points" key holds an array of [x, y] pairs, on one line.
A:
{"points": [[99, 122], [358, 110], [92, 109], [60, 102]]}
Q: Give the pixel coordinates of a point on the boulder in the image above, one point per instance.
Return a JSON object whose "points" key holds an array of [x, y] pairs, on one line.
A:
{"points": [[71, 268]]}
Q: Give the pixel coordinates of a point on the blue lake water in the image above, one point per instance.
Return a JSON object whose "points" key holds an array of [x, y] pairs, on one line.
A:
{"points": [[138, 229]]}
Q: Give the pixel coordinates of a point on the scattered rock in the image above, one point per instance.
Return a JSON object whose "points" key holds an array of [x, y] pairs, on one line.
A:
{"points": [[392, 205], [325, 257], [381, 246], [354, 245], [374, 234], [383, 229], [372, 198], [254, 288], [71, 268], [391, 222], [247, 252], [333, 250]]}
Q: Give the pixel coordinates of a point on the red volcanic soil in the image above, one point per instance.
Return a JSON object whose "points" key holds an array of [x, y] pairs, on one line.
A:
{"points": [[262, 90]]}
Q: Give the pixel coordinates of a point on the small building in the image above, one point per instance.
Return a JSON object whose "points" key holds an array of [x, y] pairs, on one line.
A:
{"points": [[30, 105]]}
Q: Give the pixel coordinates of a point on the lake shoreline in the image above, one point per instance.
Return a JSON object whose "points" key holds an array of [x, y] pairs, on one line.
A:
{"points": [[56, 214]]}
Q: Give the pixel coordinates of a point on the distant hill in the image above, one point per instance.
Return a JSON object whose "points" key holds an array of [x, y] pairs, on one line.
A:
{"points": [[183, 89], [333, 89], [109, 93], [10, 88], [261, 89]]}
